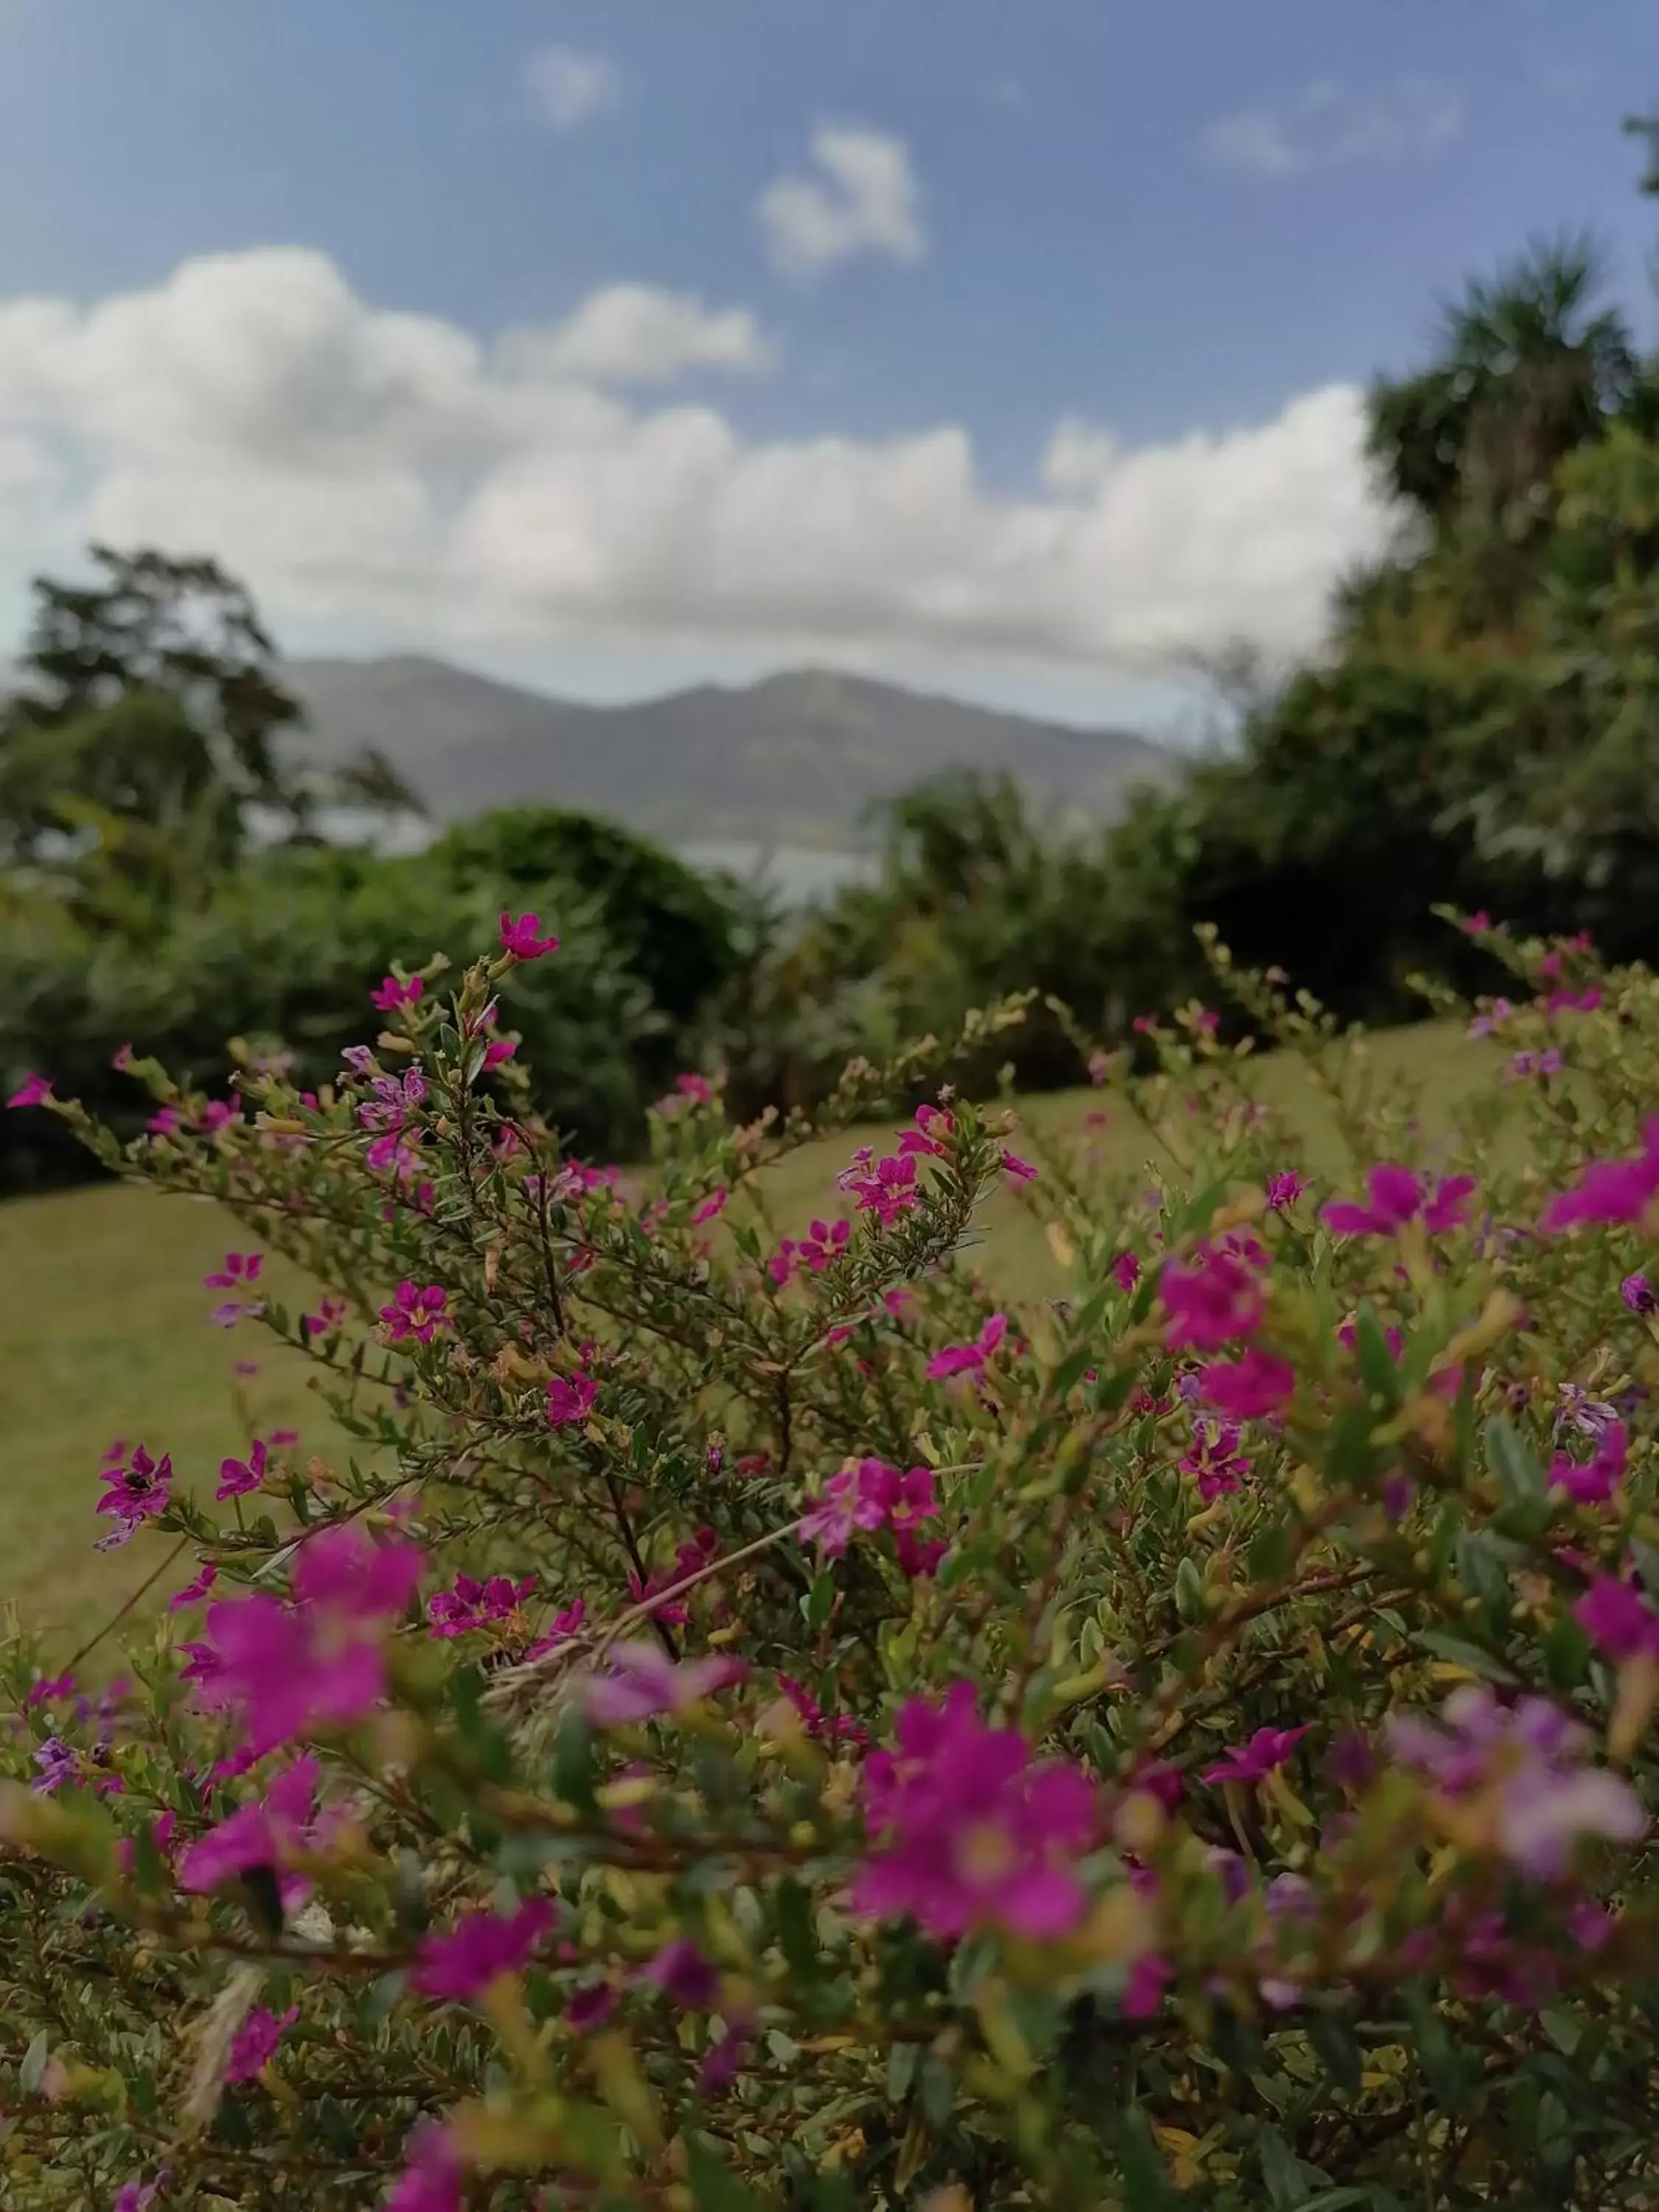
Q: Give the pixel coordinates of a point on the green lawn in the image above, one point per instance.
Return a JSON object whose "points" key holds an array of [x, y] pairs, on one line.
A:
{"points": [[104, 1334]]}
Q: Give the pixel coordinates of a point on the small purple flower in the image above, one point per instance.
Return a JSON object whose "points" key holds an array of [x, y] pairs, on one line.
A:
{"points": [[685, 1976], [481, 1949], [1254, 1761], [1637, 1293], [254, 2045]]}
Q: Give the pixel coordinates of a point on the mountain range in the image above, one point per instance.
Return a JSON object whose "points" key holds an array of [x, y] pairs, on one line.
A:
{"points": [[794, 760]]}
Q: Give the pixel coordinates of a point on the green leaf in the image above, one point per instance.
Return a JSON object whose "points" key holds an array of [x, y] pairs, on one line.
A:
{"points": [[1280, 2169], [1337, 2048], [1376, 1362], [1147, 2183], [1513, 1462], [1188, 1592], [31, 2070], [797, 1931], [573, 1763], [713, 2186], [1454, 1648]]}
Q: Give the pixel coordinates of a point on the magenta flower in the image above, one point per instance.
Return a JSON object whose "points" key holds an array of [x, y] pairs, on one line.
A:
{"points": [[1618, 1620], [237, 1271], [822, 1243], [1397, 1197], [415, 1312], [522, 936], [269, 1831], [970, 1359], [254, 2045], [476, 1605], [969, 1833], [1016, 1170], [1594, 1483], [1213, 1301], [685, 1976], [641, 1681], [1126, 1271], [135, 1493], [46, 1687], [1248, 1389], [319, 1660], [570, 1398], [852, 1499], [563, 1626], [432, 2175], [934, 1126], [479, 1950], [1284, 1190], [887, 1189], [136, 2196], [1637, 1293], [34, 1091], [1213, 1459], [392, 996], [1609, 1190], [330, 1313], [238, 1476], [1254, 1761], [193, 1593], [713, 1206]]}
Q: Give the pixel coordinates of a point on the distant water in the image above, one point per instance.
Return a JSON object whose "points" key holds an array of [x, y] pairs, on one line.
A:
{"points": [[795, 875]]}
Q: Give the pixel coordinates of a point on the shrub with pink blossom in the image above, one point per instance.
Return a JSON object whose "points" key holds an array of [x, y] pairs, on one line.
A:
{"points": [[761, 1726]]}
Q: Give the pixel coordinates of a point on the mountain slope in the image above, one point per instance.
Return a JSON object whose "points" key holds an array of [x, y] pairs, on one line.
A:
{"points": [[794, 760]]}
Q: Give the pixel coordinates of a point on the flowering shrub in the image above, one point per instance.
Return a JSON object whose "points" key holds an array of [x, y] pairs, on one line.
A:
{"points": [[742, 1735]]}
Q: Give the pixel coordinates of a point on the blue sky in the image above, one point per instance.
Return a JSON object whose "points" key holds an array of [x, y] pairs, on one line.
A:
{"points": [[1164, 222]]}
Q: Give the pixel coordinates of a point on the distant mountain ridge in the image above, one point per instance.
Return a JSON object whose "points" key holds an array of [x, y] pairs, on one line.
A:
{"points": [[792, 760]]}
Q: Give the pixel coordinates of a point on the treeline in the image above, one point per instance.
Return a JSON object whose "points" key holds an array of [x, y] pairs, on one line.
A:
{"points": [[1484, 732]]}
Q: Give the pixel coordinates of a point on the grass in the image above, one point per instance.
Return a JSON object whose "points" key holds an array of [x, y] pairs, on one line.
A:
{"points": [[102, 1319]]}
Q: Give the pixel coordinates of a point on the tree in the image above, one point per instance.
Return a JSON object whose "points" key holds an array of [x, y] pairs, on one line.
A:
{"points": [[150, 696], [1530, 366]]}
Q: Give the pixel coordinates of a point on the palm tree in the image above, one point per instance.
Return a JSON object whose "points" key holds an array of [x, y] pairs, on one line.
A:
{"points": [[1530, 367]]}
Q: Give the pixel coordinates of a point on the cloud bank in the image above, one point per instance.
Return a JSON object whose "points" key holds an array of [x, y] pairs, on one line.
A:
{"points": [[375, 471]]}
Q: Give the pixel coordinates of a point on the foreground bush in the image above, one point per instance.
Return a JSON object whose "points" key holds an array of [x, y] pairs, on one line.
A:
{"points": [[755, 1725]]}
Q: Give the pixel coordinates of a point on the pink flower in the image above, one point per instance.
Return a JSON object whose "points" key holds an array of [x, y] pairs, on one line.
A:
{"points": [[164, 1120], [970, 1359], [1214, 1301], [887, 1189], [415, 1312], [713, 1206], [563, 1626], [934, 1126], [34, 1091], [238, 1476], [432, 2175], [135, 1493], [235, 1272], [1248, 1389], [286, 1669], [42, 1693], [481, 1949], [1149, 1976], [570, 1398], [392, 996], [641, 1680], [1126, 1271], [1397, 1197], [1637, 1292], [497, 1052], [522, 937], [1254, 1761], [330, 1313], [269, 1831], [193, 1593], [217, 1115], [851, 1500], [967, 1831], [821, 1244], [254, 2045], [1213, 1459], [476, 1605], [1016, 1170], [685, 1976], [1609, 1190], [1618, 1620], [1284, 1190], [1595, 1483]]}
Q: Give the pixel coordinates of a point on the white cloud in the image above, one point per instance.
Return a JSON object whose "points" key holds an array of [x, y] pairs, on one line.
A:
{"points": [[635, 334], [1326, 125], [864, 200], [381, 475], [566, 88]]}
